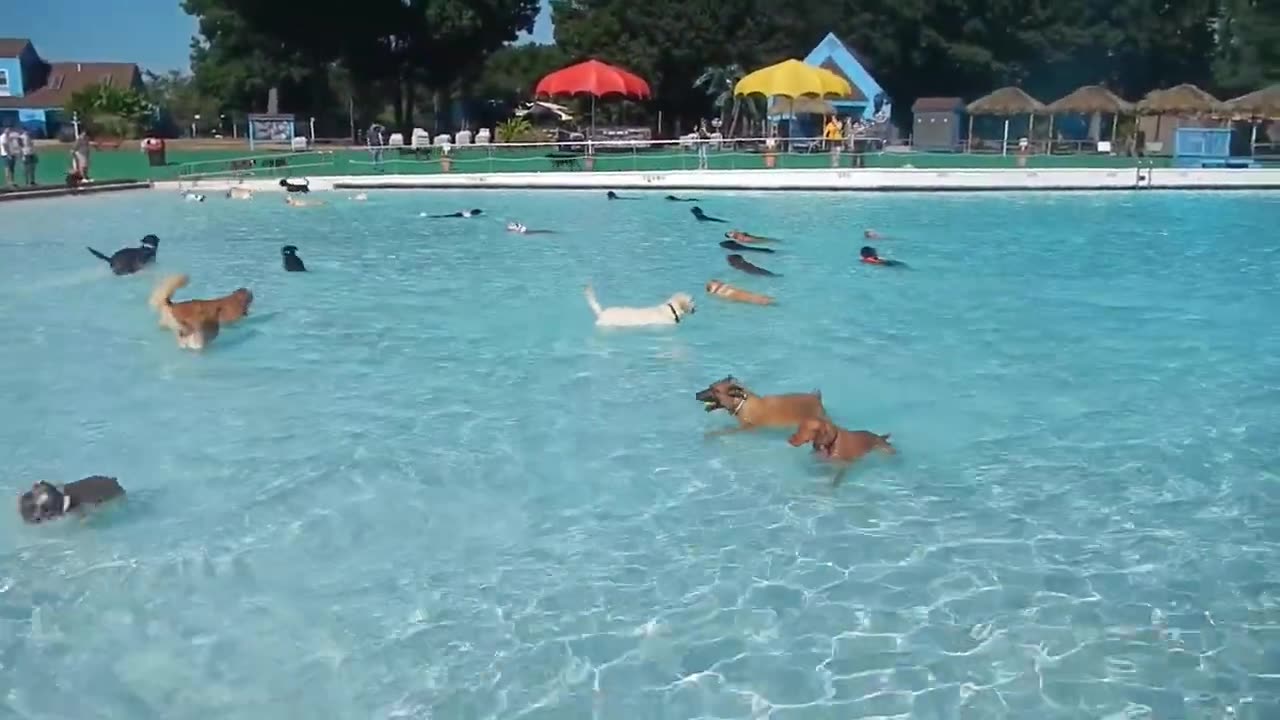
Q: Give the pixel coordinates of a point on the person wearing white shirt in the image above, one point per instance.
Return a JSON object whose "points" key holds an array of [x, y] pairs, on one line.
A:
{"points": [[10, 160]]}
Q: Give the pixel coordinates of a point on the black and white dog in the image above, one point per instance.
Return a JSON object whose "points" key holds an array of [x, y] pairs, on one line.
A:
{"points": [[296, 186], [292, 263], [127, 261], [44, 501]]}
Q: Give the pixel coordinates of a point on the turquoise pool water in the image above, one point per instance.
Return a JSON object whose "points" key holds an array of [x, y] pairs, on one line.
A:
{"points": [[419, 483]]}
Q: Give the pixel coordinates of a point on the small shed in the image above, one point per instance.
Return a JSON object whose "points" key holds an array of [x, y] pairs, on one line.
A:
{"points": [[937, 123]]}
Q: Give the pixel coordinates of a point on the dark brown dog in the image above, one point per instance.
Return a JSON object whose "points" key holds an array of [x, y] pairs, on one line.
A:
{"points": [[740, 263], [757, 411], [838, 445]]}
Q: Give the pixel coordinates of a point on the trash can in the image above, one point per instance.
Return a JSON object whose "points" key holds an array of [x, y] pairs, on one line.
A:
{"points": [[155, 150]]}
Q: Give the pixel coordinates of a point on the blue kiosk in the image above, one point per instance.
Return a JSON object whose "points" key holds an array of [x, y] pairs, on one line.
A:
{"points": [[1206, 148]]}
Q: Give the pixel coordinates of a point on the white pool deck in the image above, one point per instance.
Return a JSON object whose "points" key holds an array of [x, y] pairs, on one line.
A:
{"points": [[864, 180]]}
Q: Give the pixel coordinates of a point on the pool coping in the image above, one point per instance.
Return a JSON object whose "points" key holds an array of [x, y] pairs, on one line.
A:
{"points": [[857, 180], [61, 191]]}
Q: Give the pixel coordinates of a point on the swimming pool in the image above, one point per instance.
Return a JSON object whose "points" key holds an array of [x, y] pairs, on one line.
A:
{"points": [[419, 482]]}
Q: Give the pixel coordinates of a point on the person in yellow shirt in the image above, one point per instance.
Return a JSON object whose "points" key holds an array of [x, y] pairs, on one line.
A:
{"points": [[832, 131]]}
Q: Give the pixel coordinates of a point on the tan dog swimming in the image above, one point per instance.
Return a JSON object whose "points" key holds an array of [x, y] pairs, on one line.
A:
{"points": [[729, 292], [760, 411]]}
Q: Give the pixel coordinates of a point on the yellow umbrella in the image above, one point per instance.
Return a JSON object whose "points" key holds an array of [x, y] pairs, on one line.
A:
{"points": [[792, 78]]}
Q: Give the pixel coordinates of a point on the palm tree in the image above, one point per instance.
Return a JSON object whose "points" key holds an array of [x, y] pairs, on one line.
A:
{"points": [[718, 81]]}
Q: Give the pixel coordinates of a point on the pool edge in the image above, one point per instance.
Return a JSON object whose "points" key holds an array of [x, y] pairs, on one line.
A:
{"points": [[814, 180]]}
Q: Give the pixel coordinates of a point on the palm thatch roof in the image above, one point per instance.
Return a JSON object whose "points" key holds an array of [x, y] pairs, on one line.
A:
{"points": [[1007, 101], [1264, 103], [1091, 99], [1185, 99]]}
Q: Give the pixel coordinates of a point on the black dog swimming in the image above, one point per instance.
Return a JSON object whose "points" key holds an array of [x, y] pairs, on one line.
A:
{"points": [[296, 187], [292, 263], [703, 217], [735, 245], [474, 212], [739, 262], [674, 198], [611, 195], [127, 261], [44, 501]]}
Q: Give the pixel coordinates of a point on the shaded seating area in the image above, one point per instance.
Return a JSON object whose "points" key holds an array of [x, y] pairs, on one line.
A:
{"points": [[1094, 102], [1259, 109], [1007, 102]]}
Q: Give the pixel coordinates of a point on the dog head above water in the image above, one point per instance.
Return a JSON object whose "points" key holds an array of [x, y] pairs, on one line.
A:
{"points": [[42, 502], [726, 394], [681, 304], [819, 432], [150, 241], [243, 296]]}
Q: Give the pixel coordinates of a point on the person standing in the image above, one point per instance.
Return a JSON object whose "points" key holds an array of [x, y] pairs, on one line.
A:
{"points": [[704, 139], [80, 156], [29, 158], [10, 161]]}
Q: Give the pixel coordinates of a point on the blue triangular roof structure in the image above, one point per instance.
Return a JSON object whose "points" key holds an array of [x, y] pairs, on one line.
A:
{"points": [[836, 57]]}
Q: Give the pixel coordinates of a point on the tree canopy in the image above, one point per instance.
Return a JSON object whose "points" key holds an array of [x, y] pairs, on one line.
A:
{"points": [[388, 55]]}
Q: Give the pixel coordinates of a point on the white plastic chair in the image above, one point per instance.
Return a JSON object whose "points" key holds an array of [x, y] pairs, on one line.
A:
{"points": [[483, 136], [462, 137], [420, 139], [396, 140], [442, 139], [298, 144]]}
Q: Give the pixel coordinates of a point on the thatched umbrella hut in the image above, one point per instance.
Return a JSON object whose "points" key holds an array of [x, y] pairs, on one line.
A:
{"points": [[1180, 100], [1259, 105], [1092, 100], [1005, 102]]}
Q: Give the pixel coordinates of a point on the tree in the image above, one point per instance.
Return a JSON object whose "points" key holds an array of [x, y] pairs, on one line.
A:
{"points": [[110, 111], [718, 82], [511, 73], [178, 101], [1248, 53], [397, 43]]}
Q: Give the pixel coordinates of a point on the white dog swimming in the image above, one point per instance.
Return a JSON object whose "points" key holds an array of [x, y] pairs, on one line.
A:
{"points": [[670, 312]]}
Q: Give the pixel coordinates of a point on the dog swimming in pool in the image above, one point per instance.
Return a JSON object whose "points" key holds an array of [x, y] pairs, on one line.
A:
{"points": [[46, 501]]}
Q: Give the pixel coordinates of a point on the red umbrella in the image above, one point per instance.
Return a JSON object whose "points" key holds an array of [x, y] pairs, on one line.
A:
{"points": [[594, 78]]}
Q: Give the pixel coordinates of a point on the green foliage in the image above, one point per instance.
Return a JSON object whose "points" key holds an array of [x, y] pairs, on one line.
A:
{"points": [[1249, 47], [919, 48], [511, 73], [515, 130], [110, 111]]}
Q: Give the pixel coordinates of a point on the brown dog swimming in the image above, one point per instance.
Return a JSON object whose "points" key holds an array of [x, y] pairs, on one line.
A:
{"points": [[729, 292], [759, 411], [840, 446], [739, 262], [196, 322]]}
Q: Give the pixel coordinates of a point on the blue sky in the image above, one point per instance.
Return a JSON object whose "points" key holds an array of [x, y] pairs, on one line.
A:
{"points": [[156, 34]]}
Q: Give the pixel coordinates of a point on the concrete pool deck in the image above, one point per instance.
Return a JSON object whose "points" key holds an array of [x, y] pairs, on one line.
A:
{"points": [[863, 180]]}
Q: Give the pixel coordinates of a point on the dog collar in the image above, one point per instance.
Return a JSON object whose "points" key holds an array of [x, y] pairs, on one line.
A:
{"points": [[674, 314], [738, 409]]}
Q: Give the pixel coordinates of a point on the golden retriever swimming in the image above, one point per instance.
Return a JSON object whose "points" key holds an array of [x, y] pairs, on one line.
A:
{"points": [[197, 322]]}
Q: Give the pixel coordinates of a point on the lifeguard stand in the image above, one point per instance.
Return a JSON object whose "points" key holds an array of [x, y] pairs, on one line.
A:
{"points": [[1206, 148]]}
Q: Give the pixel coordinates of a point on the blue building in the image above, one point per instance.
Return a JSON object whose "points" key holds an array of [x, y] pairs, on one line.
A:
{"points": [[869, 99], [34, 91]]}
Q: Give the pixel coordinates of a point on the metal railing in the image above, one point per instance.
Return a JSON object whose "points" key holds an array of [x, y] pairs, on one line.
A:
{"points": [[645, 155], [272, 165]]}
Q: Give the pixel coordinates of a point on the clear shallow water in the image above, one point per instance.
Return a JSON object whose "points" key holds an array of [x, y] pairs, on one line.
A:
{"points": [[419, 483]]}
